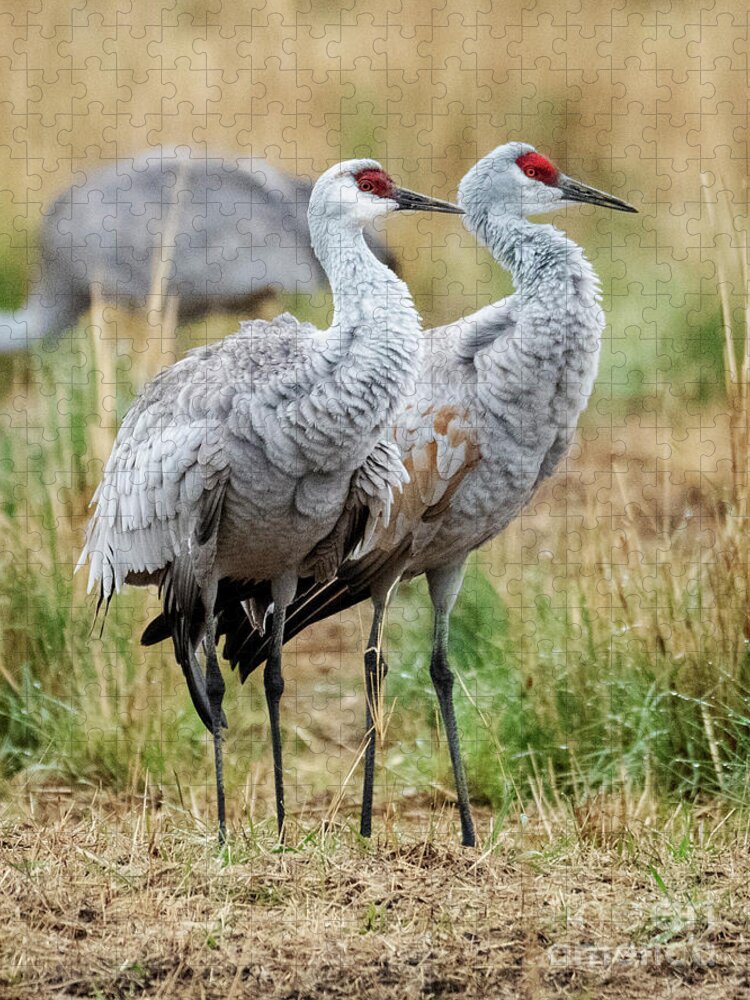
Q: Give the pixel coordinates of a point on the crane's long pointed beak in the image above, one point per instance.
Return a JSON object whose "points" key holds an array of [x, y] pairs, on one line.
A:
{"points": [[575, 191], [410, 201]]}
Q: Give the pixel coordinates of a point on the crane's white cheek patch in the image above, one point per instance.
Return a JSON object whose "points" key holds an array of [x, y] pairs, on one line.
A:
{"points": [[369, 208]]}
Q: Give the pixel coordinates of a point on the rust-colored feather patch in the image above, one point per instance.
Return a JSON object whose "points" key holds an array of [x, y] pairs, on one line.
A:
{"points": [[438, 453]]}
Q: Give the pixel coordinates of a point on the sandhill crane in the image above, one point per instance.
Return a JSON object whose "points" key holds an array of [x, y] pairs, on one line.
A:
{"points": [[508, 386], [170, 226], [262, 456]]}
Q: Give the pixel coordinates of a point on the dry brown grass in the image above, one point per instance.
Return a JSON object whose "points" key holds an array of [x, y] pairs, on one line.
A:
{"points": [[116, 899]]}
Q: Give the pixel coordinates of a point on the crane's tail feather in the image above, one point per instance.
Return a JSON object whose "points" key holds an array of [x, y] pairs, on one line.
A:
{"points": [[196, 683], [247, 648], [183, 619], [230, 592], [158, 631]]}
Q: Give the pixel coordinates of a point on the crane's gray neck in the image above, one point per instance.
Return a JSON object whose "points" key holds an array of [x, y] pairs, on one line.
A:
{"points": [[556, 299], [539, 257], [373, 312], [367, 361], [361, 285], [536, 353]]}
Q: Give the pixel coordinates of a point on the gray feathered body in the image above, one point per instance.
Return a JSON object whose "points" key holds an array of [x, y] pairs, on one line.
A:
{"points": [[519, 373], [243, 457]]}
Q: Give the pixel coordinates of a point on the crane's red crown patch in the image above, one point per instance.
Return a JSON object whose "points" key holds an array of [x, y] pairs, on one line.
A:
{"points": [[375, 182], [537, 166]]}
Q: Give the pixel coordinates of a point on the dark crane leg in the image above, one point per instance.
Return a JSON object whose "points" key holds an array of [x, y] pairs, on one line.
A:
{"points": [[375, 670], [215, 694], [273, 683], [444, 586]]}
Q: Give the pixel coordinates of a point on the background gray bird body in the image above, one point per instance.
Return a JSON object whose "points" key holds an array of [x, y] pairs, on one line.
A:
{"points": [[217, 233]]}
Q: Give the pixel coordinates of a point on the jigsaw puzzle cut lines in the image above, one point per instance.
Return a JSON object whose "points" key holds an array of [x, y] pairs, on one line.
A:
{"points": [[477, 479]]}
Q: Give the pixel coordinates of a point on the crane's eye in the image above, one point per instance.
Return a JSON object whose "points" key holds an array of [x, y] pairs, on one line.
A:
{"points": [[537, 168], [374, 182]]}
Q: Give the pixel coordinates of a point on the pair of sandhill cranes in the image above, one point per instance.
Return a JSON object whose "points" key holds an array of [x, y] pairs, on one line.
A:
{"points": [[286, 472]]}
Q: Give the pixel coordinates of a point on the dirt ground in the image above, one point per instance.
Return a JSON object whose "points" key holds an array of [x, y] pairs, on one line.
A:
{"points": [[121, 898]]}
